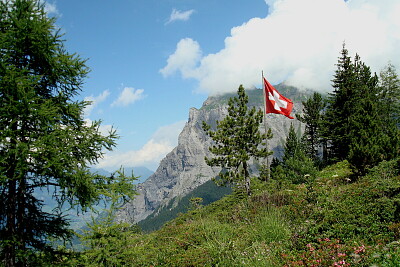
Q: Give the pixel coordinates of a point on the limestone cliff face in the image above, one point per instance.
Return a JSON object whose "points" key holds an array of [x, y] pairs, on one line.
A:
{"points": [[181, 171], [184, 168]]}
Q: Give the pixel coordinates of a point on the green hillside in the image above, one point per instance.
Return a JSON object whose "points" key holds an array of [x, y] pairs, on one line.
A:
{"points": [[208, 192], [330, 221]]}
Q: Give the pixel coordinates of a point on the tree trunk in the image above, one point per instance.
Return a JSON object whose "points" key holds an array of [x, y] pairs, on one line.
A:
{"points": [[246, 178], [11, 204], [20, 221]]}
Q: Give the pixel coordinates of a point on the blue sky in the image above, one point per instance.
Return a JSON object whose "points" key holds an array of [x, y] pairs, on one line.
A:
{"points": [[152, 60]]}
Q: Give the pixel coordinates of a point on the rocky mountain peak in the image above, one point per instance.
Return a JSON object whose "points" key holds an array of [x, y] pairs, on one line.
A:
{"points": [[184, 168]]}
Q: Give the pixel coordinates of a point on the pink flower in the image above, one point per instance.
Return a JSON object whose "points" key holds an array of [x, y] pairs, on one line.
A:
{"points": [[340, 263], [359, 250]]}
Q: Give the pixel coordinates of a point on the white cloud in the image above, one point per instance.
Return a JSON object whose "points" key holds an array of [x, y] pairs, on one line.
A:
{"points": [[128, 96], [95, 100], [179, 15], [271, 4], [160, 144], [50, 8], [298, 42], [185, 58]]}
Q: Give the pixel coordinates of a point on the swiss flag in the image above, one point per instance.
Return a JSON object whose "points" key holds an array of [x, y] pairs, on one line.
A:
{"points": [[275, 102]]}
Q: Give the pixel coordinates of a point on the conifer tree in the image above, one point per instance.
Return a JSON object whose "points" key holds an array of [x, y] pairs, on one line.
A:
{"points": [[340, 106], [293, 146], [237, 140], [296, 166], [44, 142], [312, 118], [366, 138], [389, 97], [389, 84], [354, 124]]}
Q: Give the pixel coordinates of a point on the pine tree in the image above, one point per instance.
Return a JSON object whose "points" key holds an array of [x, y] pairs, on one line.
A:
{"points": [[354, 124], [312, 118], [237, 140], [366, 138], [296, 165], [44, 142], [389, 109], [341, 105], [375, 136], [293, 147], [389, 84]]}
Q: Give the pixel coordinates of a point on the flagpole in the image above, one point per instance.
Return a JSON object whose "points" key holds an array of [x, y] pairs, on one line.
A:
{"points": [[265, 124]]}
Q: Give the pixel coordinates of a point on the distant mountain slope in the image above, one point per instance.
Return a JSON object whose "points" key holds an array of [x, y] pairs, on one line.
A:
{"points": [[184, 168], [209, 192], [78, 220], [142, 172]]}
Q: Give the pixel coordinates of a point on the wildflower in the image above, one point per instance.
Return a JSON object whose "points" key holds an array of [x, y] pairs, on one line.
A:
{"points": [[359, 249], [340, 263]]}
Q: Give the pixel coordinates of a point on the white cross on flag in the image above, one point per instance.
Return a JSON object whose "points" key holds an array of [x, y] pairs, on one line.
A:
{"points": [[275, 102]]}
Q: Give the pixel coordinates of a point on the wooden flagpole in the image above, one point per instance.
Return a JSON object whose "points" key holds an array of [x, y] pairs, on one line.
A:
{"points": [[265, 124]]}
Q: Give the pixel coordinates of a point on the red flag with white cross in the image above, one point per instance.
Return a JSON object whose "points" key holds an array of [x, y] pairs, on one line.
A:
{"points": [[275, 102]]}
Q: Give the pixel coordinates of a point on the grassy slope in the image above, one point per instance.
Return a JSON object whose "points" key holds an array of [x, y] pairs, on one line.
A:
{"points": [[209, 192], [328, 222]]}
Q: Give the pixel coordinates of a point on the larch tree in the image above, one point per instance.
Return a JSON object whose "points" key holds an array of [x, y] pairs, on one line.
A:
{"points": [[238, 139], [45, 144]]}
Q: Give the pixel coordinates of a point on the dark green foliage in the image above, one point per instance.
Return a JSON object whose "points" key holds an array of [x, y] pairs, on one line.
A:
{"points": [[342, 103], [312, 118], [295, 166], [293, 146], [237, 140], [356, 124], [44, 141], [372, 138]]}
